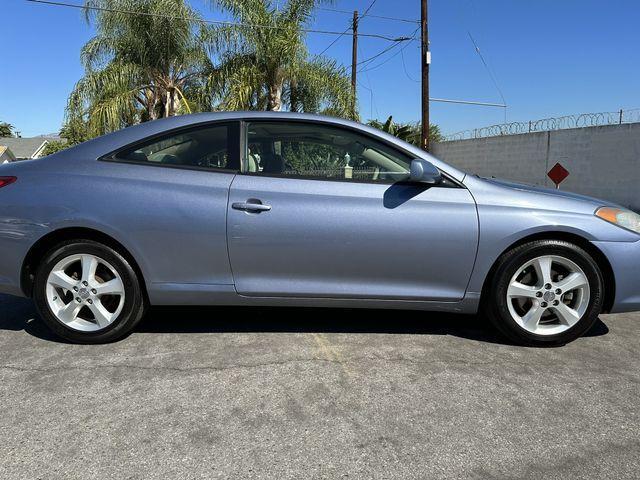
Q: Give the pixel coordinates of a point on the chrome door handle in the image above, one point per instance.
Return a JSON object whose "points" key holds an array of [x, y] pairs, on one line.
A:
{"points": [[250, 206]]}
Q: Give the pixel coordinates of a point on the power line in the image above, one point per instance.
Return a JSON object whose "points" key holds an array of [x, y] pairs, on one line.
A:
{"points": [[372, 103], [493, 79], [485, 63], [385, 50], [404, 67], [347, 29], [381, 17], [334, 41], [213, 22], [389, 48], [375, 67], [366, 12], [387, 60], [468, 102]]}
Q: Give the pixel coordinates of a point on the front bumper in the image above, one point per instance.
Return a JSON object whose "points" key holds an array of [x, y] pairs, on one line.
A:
{"points": [[624, 258]]}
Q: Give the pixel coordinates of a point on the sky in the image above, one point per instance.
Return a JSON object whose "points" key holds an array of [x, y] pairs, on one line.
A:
{"points": [[548, 58]]}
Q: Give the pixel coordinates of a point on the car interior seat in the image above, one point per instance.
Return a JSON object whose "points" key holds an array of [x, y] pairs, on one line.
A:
{"points": [[273, 163], [252, 164]]}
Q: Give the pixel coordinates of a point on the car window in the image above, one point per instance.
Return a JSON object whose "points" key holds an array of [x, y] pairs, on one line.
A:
{"points": [[321, 152], [204, 147]]}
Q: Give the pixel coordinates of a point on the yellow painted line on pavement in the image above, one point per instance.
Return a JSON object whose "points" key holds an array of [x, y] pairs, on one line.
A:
{"points": [[330, 352]]}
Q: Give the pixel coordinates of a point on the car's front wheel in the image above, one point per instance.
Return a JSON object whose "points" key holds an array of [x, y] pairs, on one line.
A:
{"points": [[86, 292], [545, 293]]}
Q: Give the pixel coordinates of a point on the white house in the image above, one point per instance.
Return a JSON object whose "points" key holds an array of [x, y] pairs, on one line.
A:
{"points": [[24, 148], [6, 155]]}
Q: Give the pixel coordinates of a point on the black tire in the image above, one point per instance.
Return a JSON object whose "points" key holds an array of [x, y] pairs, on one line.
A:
{"points": [[495, 301], [134, 302]]}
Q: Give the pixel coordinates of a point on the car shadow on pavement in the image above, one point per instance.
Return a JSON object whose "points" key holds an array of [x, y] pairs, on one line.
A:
{"points": [[325, 320], [19, 314]]}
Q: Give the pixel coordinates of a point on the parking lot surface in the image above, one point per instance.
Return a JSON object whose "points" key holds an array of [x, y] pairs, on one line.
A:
{"points": [[302, 393]]}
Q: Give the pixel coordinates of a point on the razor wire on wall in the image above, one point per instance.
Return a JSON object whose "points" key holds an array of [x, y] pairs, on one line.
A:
{"points": [[546, 124]]}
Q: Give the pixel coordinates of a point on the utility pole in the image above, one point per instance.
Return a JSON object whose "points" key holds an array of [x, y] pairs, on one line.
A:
{"points": [[354, 61], [426, 60]]}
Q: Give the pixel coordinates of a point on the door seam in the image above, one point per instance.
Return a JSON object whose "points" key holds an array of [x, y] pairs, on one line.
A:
{"points": [[226, 234]]}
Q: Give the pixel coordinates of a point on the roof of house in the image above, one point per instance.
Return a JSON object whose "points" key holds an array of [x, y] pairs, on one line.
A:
{"points": [[23, 147], [6, 155]]}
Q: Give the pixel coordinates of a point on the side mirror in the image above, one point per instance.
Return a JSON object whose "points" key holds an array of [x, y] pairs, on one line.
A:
{"points": [[424, 172]]}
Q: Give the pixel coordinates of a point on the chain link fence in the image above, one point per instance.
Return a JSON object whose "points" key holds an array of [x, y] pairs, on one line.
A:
{"points": [[546, 124]]}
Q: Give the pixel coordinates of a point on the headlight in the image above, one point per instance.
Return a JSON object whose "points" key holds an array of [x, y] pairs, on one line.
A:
{"points": [[623, 218]]}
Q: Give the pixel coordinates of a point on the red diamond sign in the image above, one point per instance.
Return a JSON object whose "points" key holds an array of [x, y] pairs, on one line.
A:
{"points": [[558, 174]]}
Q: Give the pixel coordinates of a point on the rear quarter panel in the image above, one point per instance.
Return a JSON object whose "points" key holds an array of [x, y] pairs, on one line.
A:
{"points": [[173, 221]]}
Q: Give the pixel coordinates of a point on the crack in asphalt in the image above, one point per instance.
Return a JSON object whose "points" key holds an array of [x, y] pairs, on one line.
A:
{"points": [[334, 361], [167, 368], [436, 366]]}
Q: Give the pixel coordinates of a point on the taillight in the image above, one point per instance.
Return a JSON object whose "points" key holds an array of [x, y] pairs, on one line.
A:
{"points": [[4, 181]]}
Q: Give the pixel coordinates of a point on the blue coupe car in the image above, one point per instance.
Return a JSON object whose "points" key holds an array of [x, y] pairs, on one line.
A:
{"points": [[263, 208]]}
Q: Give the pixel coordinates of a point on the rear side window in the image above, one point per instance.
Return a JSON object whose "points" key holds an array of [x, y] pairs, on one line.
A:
{"points": [[205, 147]]}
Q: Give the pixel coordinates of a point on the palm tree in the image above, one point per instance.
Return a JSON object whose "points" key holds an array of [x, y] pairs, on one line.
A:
{"points": [[404, 132], [409, 132], [6, 129], [140, 66], [265, 65]]}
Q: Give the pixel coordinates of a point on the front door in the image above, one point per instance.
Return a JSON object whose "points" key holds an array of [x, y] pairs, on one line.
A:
{"points": [[323, 212]]}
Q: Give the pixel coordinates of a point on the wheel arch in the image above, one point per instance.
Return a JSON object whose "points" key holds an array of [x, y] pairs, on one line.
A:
{"points": [[586, 245], [51, 239]]}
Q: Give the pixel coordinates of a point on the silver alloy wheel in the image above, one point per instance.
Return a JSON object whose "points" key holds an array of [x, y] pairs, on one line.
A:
{"points": [[548, 295], [85, 292]]}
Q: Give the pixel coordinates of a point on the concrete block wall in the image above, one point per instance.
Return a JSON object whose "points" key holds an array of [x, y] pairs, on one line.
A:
{"points": [[604, 162]]}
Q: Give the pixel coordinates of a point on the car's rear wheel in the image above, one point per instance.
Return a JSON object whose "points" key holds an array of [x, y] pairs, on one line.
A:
{"points": [[86, 292], [545, 293]]}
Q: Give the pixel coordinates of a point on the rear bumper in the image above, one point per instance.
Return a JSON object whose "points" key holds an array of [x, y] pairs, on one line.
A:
{"points": [[625, 262]]}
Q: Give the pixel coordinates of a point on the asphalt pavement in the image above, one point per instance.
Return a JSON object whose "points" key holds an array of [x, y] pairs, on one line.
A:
{"points": [[301, 393]]}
